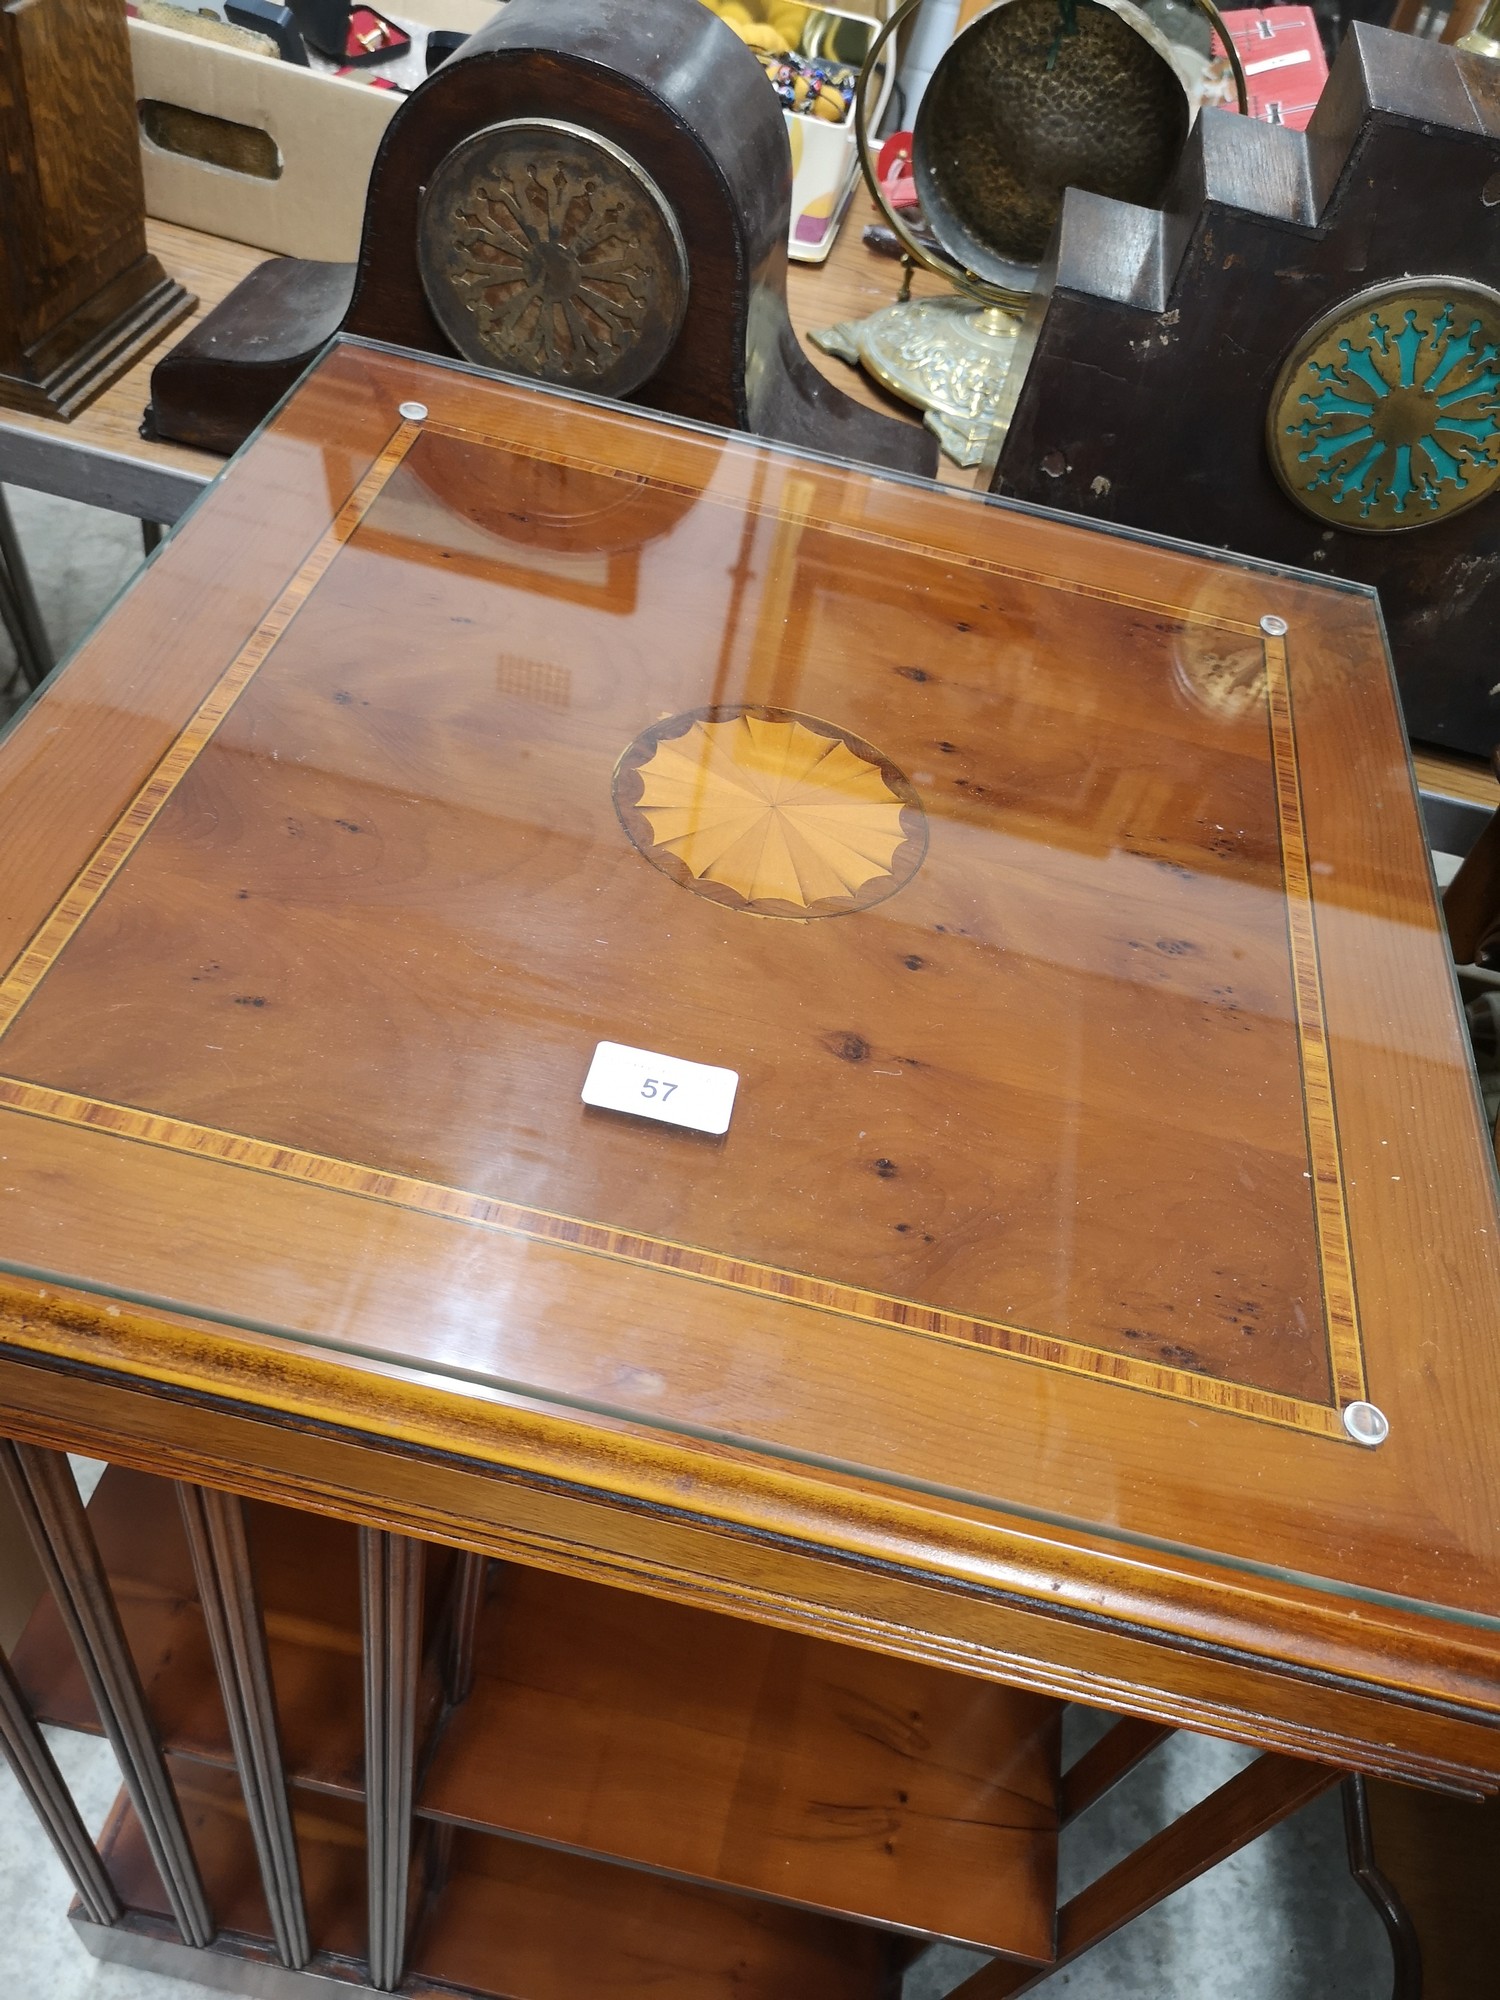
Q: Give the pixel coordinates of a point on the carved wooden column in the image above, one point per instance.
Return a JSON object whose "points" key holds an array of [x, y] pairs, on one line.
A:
{"points": [[390, 1569], [42, 1483], [80, 295]]}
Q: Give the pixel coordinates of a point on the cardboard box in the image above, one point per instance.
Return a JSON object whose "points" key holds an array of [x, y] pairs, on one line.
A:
{"points": [[325, 131]]}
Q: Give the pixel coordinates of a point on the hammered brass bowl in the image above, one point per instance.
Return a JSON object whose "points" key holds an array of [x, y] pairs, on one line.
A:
{"points": [[1031, 98], [1035, 97]]}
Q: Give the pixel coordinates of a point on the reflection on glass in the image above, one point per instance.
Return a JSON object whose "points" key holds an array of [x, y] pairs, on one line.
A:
{"points": [[993, 885]]}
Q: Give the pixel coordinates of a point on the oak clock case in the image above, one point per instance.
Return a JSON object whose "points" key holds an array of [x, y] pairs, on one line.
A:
{"points": [[81, 297], [1316, 311], [592, 196]]}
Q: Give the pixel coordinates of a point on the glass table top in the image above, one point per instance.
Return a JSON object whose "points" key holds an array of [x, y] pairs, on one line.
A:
{"points": [[1104, 1147]]}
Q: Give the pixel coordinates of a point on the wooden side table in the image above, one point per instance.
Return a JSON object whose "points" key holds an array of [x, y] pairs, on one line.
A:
{"points": [[1078, 1304]]}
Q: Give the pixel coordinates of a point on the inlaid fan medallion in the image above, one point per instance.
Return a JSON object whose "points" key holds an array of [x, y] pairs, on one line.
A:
{"points": [[776, 814]]}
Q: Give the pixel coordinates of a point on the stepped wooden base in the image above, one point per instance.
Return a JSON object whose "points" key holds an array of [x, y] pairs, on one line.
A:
{"points": [[230, 1966], [106, 335]]}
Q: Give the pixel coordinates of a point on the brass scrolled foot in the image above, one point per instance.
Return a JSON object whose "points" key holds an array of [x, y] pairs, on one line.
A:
{"points": [[949, 357]]}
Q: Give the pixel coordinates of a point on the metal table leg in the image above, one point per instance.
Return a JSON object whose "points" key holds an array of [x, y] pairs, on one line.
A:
{"points": [[1406, 1946], [18, 605]]}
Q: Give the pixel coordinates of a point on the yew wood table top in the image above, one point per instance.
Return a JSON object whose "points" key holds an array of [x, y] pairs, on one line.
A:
{"points": [[1104, 1127]]}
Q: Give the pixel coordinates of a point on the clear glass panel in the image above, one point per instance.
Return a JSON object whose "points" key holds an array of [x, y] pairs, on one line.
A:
{"points": [[1068, 930]]}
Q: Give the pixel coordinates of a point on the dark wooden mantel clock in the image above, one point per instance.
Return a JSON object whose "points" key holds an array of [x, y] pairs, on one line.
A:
{"points": [[81, 297], [594, 196], [1298, 358]]}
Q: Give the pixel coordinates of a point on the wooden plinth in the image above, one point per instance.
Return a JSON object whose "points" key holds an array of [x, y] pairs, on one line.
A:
{"points": [[83, 296], [147, 1944], [105, 337]]}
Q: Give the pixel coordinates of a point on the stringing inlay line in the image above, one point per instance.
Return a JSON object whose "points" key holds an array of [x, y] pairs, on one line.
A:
{"points": [[110, 856], [321, 1170], [1099, 1364], [1335, 1260]]}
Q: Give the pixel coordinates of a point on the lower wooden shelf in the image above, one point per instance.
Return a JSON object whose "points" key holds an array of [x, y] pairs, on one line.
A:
{"points": [[506, 1921], [615, 1725], [722, 1751], [530, 1921], [330, 1846]]}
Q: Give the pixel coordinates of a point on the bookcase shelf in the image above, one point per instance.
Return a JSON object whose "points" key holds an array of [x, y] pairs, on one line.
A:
{"points": [[506, 1921], [678, 1739]]}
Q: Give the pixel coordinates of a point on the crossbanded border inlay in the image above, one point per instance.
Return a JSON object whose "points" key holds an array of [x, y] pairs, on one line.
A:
{"points": [[431, 1198], [117, 846], [1335, 1261]]}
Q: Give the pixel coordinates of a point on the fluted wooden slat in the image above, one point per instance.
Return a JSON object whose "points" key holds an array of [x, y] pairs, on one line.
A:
{"points": [[47, 1497], [215, 1524]]}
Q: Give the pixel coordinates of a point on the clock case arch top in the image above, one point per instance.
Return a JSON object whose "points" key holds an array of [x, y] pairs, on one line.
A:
{"points": [[676, 92]]}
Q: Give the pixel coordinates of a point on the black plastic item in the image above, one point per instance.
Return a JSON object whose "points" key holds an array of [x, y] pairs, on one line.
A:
{"points": [[442, 43], [266, 17], [325, 24]]}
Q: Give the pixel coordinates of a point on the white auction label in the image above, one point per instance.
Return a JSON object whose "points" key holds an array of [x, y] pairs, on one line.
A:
{"points": [[654, 1086], [1288, 61]]}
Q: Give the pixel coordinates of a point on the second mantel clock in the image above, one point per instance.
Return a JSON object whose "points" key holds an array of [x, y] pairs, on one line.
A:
{"points": [[1298, 357]]}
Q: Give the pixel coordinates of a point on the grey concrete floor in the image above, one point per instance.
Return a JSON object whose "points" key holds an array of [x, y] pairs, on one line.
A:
{"points": [[1279, 1921], [80, 558]]}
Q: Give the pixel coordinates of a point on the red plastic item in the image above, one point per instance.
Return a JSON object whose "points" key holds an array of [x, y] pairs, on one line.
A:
{"points": [[372, 38], [893, 167], [1285, 69]]}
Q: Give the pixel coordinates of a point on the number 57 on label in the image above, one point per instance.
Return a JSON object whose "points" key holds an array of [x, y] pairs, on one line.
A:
{"points": [[666, 1088]]}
